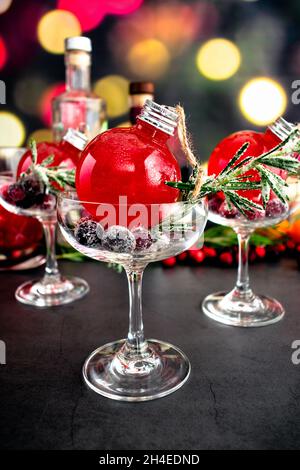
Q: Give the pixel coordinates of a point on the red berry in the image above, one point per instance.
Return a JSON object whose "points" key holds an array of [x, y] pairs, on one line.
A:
{"points": [[291, 244], [260, 251], [169, 262], [182, 256], [209, 251], [226, 257], [197, 255], [228, 213]]}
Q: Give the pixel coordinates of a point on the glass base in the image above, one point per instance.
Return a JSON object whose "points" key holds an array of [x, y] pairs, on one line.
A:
{"points": [[252, 311], [42, 294], [159, 372]]}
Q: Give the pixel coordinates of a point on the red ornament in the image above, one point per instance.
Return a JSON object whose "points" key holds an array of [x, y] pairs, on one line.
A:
{"points": [[130, 162], [258, 144], [63, 152]]}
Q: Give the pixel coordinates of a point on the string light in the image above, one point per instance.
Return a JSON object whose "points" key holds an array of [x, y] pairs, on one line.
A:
{"points": [[89, 15], [41, 135], [3, 53], [114, 89], [122, 8], [12, 130], [148, 58], [4, 5], [54, 27], [218, 59], [27, 93], [262, 100]]}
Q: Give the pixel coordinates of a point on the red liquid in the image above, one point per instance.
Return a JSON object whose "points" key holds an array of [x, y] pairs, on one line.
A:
{"points": [[132, 162], [259, 143], [226, 149], [64, 154], [19, 236]]}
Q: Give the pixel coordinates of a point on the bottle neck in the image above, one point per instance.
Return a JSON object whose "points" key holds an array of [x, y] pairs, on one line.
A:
{"points": [[78, 71], [151, 132], [136, 103]]}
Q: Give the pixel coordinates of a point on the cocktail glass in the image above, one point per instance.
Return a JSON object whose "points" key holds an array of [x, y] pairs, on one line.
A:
{"points": [[133, 369], [53, 289], [241, 306]]}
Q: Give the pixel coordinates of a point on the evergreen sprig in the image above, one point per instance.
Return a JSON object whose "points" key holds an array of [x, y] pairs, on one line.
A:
{"points": [[234, 176], [48, 175]]}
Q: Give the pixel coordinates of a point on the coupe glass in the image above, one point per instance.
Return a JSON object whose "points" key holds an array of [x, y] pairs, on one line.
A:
{"points": [[53, 289], [134, 369], [241, 307]]}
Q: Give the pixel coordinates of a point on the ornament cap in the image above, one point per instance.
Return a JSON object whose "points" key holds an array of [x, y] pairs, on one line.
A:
{"points": [[76, 138], [160, 116], [282, 128]]}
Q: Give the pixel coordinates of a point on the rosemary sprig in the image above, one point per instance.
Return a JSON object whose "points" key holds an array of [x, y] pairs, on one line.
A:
{"points": [[234, 178], [59, 175]]}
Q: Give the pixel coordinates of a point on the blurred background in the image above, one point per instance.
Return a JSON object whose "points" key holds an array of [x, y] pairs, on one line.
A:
{"points": [[231, 64]]}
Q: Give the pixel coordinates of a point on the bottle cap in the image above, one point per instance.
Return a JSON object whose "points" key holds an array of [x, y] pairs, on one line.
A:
{"points": [[162, 117], [78, 43], [76, 138], [140, 88], [282, 128]]}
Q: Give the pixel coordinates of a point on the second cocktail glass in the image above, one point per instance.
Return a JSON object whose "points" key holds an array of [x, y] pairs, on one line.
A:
{"points": [[133, 369]]}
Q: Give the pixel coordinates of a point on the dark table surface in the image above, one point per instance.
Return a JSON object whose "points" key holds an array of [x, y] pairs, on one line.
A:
{"points": [[243, 393]]}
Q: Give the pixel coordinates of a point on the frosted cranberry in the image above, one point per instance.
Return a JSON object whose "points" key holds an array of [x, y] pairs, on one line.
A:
{"points": [[214, 203], [228, 213], [143, 238], [15, 192], [255, 214], [275, 208], [118, 239]]}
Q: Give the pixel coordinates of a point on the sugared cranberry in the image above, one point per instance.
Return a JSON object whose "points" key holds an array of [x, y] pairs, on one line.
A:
{"points": [[86, 232], [228, 213], [255, 215], [214, 203], [118, 239], [275, 208], [49, 202], [15, 192], [143, 238]]}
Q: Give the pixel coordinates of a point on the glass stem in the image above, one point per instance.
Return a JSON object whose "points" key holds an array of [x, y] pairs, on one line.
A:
{"points": [[135, 340], [51, 270], [242, 284]]}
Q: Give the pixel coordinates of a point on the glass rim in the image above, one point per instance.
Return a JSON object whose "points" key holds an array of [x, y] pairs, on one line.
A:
{"points": [[67, 196]]}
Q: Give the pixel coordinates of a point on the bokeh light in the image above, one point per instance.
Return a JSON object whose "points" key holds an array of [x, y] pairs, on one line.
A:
{"points": [[262, 100], [54, 27], [3, 53], [45, 106], [218, 59], [174, 24], [41, 135], [148, 59], [114, 89], [123, 7], [4, 5], [12, 130], [89, 15], [27, 93]]}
